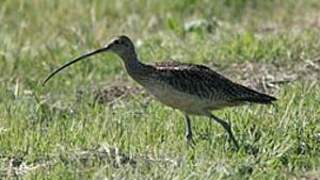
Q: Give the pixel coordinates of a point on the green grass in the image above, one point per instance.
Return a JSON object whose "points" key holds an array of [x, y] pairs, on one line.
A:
{"points": [[54, 132]]}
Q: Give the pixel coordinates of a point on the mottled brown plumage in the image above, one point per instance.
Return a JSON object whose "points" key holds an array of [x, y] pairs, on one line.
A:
{"points": [[193, 89], [207, 84]]}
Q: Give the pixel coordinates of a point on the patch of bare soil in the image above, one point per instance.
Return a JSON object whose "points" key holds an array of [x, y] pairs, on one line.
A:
{"points": [[311, 175], [268, 78], [98, 156], [112, 94], [16, 166], [106, 154]]}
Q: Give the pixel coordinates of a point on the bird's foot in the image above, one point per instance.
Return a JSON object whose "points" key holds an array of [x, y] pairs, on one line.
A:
{"points": [[190, 142]]}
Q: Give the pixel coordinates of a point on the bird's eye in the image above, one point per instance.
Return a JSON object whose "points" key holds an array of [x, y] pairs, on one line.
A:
{"points": [[117, 42]]}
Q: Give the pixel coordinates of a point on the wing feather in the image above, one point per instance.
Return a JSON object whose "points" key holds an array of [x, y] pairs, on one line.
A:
{"points": [[205, 83]]}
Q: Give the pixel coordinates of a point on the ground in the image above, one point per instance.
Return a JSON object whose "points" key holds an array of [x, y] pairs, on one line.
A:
{"points": [[93, 121]]}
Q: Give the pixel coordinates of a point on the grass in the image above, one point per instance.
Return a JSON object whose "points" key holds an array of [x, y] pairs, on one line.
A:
{"points": [[56, 131]]}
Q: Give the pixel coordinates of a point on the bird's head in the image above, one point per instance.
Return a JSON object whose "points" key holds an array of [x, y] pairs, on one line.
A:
{"points": [[121, 45]]}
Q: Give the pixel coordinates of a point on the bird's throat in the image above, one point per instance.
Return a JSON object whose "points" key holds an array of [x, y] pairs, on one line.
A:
{"points": [[133, 65], [137, 70]]}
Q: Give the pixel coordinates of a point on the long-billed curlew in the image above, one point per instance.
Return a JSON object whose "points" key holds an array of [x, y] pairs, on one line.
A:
{"points": [[193, 89]]}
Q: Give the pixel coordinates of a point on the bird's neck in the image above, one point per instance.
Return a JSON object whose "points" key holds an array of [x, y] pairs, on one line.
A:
{"points": [[136, 69]]}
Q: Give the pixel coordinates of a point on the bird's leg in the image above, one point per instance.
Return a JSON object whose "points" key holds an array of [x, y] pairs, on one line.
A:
{"points": [[227, 127], [189, 138]]}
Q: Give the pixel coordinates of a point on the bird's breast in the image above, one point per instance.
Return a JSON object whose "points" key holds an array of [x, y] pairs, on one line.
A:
{"points": [[169, 96]]}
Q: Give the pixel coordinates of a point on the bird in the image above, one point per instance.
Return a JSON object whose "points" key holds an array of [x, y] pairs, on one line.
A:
{"points": [[195, 90]]}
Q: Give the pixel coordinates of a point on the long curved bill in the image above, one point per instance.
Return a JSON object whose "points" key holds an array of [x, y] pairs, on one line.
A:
{"points": [[86, 55]]}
